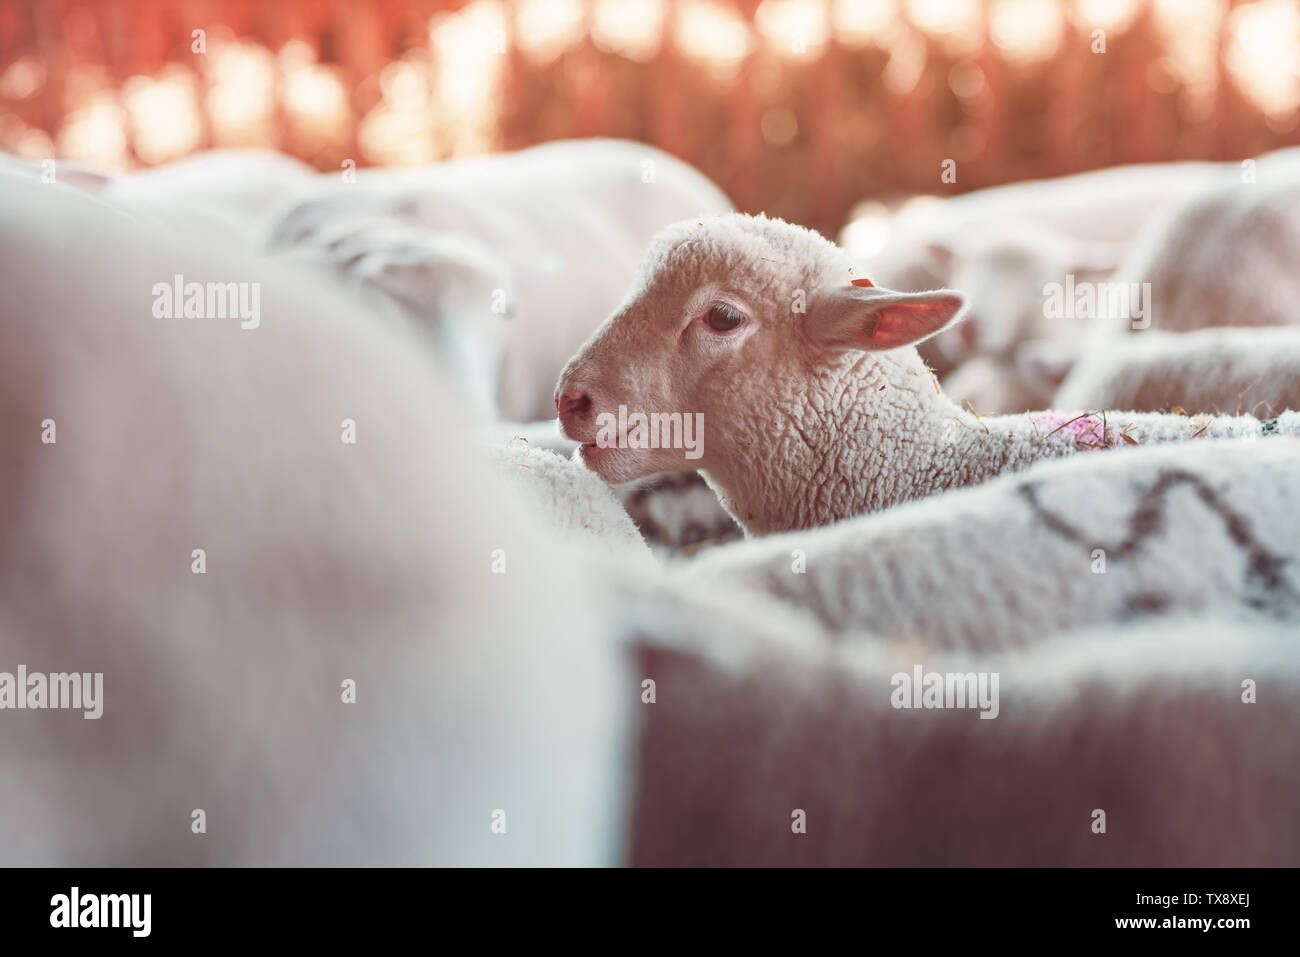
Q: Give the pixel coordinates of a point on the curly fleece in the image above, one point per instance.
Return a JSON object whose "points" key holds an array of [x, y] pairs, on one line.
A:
{"points": [[800, 432]]}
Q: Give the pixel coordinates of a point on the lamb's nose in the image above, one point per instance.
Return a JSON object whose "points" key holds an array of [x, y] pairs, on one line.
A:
{"points": [[572, 403]]}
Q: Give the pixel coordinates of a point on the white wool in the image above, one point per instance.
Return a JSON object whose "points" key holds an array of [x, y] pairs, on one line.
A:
{"points": [[1107, 205], [1002, 268], [1210, 237], [675, 513], [678, 514], [441, 283], [991, 385], [565, 222], [757, 720], [235, 187], [816, 407], [1088, 541], [1226, 370], [1226, 256], [476, 689], [1000, 245], [481, 690], [216, 195], [569, 496]]}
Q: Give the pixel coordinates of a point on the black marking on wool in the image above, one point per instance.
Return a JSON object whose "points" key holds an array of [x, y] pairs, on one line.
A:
{"points": [[1147, 602], [638, 503], [1263, 566]]}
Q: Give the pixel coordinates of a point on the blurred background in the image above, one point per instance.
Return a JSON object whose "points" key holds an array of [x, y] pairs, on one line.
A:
{"points": [[801, 108]]}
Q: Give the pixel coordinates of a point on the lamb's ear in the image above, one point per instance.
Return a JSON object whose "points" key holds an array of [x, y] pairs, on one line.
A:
{"points": [[871, 318]]}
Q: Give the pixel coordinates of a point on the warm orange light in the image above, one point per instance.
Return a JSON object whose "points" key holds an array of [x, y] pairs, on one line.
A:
{"points": [[630, 28], [1263, 54], [544, 29], [957, 24], [468, 55], [907, 59], [1113, 16], [240, 100], [1027, 31], [859, 22], [398, 130], [24, 77], [713, 33], [793, 28], [164, 114], [868, 230], [96, 132]]}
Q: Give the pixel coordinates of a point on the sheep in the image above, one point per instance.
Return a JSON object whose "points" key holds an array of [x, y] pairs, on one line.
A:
{"points": [[756, 720], [1213, 370], [1226, 256], [1003, 245], [1002, 268], [326, 561], [815, 404], [747, 703], [182, 512], [234, 187], [557, 218], [224, 192], [1089, 540], [1108, 205], [991, 384], [443, 284]]}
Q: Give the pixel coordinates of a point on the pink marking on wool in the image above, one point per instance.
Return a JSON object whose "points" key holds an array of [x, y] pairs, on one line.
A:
{"points": [[1085, 428]]}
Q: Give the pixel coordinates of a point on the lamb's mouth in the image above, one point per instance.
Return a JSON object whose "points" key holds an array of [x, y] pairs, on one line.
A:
{"points": [[612, 463], [591, 451]]}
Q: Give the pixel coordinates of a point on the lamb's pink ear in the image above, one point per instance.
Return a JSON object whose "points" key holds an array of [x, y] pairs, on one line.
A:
{"points": [[871, 318]]}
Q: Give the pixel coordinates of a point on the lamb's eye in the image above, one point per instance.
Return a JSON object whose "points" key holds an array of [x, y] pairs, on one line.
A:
{"points": [[723, 318]]}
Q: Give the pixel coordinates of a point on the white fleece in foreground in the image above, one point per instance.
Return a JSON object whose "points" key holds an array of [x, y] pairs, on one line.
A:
{"points": [[756, 729], [1092, 540], [323, 562]]}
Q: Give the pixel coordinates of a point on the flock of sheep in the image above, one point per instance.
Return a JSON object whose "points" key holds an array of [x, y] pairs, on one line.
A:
{"points": [[560, 651]]}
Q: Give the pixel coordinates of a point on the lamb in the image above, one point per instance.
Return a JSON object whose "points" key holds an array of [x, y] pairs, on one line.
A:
{"points": [[1220, 370], [1080, 542], [815, 403]]}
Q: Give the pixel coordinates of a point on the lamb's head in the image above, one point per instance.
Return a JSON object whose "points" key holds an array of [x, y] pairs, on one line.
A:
{"points": [[754, 324]]}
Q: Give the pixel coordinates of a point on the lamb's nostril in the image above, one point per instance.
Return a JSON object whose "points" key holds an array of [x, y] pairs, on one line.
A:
{"points": [[575, 403]]}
